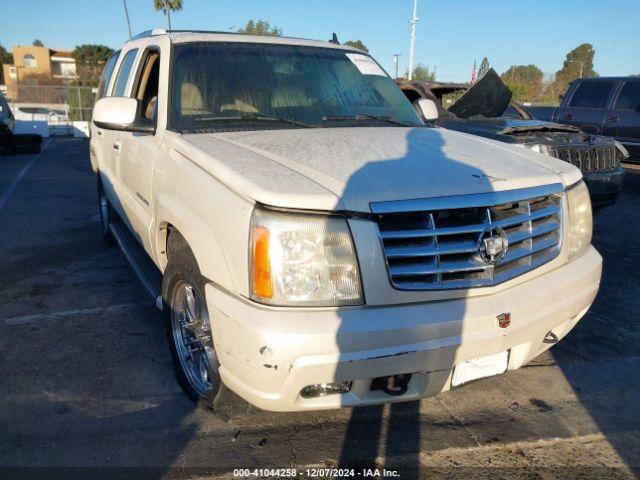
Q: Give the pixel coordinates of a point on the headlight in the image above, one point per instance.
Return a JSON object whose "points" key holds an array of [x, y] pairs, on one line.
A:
{"points": [[621, 152], [580, 219], [539, 148], [303, 260]]}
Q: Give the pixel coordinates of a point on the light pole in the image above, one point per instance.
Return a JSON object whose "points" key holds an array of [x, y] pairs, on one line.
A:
{"points": [[581, 62], [126, 13], [412, 33], [396, 56]]}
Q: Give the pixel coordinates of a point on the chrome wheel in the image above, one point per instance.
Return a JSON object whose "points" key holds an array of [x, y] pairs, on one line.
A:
{"points": [[193, 339]]}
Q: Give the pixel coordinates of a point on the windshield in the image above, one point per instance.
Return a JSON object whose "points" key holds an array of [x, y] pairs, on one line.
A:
{"points": [[223, 86]]}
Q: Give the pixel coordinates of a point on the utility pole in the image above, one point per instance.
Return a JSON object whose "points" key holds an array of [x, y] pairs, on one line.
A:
{"points": [[581, 62], [412, 33], [126, 13], [396, 56]]}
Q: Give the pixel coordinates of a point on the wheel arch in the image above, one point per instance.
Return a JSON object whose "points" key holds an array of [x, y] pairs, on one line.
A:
{"points": [[175, 220]]}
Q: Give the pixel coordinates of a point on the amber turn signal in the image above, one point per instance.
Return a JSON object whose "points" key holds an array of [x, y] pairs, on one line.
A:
{"points": [[261, 274]]}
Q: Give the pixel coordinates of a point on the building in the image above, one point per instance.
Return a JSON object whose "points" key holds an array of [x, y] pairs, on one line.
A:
{"points": [[39, 66]]}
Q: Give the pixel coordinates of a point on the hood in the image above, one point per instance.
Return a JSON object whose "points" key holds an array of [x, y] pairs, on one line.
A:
{"points": [[513, 130], [488, 97], [515, 126], [348, 168]]}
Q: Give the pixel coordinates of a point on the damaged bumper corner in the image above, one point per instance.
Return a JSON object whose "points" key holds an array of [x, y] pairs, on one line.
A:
{"points": [[269, 355]]}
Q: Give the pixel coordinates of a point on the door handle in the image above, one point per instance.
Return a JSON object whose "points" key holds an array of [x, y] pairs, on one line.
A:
{"points": [[99, 132], [116, 146], [567, 116], [613, 119]]}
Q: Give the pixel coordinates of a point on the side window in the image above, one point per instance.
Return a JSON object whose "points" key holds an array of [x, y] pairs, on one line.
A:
{"points": [[592, 94], [123, 73], [106, 74], [629, 98], [145, 88]]}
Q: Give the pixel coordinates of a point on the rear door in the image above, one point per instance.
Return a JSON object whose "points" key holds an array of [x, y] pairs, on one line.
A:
{"points": [[587, 106], [623, 120], [110, 145], [99, 147]]}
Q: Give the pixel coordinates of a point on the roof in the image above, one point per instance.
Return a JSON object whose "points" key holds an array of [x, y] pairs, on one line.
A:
{"points": [[595, 79], [186, 36], [61, 53]]}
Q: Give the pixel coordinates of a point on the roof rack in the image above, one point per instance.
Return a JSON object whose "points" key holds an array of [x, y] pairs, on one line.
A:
{"points": [[150, 33]]}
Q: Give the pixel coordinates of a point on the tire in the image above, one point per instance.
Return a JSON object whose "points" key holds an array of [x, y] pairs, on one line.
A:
{"points": [[186, 320], [106, 214]]}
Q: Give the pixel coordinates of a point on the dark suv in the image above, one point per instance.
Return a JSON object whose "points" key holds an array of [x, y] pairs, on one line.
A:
{"points": [[605, 106], [487, 110]]}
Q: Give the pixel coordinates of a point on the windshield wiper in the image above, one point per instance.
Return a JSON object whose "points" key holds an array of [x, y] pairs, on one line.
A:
{"points": [[364, 116], [256, 116]]}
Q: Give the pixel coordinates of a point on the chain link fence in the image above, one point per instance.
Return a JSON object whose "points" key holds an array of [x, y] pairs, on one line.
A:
{"points": [[60, 106]]}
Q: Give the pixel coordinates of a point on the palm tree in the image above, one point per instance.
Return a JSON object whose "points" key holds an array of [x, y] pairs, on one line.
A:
{"points": [[167, 6]]}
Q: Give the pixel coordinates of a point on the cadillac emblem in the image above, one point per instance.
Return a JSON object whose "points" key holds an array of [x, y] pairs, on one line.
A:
{"points": [[492, 245], [504, 319]]}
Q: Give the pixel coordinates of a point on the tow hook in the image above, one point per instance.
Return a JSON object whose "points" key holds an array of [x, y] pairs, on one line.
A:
{"points": [[551, 338], [395, 385]]}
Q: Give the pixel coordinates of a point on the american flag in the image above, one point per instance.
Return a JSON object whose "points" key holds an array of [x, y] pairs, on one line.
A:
{"points": [[474, 75]]}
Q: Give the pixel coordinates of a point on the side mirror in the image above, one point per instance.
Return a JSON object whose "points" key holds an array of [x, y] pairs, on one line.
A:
{"points": [[118, 113], [428, 109]]}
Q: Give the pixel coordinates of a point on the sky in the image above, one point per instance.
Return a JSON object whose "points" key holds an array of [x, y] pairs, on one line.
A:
{"points": [[450, 34]]}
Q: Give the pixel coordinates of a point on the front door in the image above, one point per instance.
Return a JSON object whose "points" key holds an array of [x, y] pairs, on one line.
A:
{"points": [[137, 150]]}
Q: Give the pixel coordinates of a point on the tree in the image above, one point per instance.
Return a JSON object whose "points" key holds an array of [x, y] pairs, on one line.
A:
{"points": [[260, 28], [357, 44], [579, 63], [484, 68], [6, 58], [422, 73], [38, 43], [525, 81], [167, 6], [90, 60]]}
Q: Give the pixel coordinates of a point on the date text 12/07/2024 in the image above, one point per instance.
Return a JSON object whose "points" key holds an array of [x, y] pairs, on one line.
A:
{"points": [[316, 473]]}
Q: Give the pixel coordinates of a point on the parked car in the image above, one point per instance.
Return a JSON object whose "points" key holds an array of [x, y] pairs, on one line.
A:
{"points": [[311, 242], [11, 142], [487, 110], [42, 114], [605, 106]]}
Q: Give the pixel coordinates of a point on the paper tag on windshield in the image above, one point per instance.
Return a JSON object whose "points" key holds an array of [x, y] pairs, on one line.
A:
{"points": [[365, 64]]}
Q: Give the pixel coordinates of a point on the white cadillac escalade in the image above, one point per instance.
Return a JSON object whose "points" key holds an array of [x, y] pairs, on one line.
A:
{"points": [[311, 242]]}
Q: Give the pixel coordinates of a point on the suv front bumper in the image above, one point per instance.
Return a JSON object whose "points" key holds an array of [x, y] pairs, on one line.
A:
{"points": [[268, 355], [604, 187]]}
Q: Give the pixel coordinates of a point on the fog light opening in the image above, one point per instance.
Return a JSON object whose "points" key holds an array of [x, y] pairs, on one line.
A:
{"points": [[324, 389]]}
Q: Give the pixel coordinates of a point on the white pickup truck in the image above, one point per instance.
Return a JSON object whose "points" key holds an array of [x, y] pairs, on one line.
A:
{"points": [[311, 241]]}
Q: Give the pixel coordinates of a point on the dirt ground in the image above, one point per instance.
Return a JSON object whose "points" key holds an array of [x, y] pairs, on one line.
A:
{"points": [[87, 387]]}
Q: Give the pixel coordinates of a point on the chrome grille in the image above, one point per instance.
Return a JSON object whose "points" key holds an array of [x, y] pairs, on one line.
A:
{"points": [[434, 244], [588, 158]]}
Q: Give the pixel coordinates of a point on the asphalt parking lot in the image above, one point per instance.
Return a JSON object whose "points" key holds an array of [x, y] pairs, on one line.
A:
{"points": [[86, 379]]}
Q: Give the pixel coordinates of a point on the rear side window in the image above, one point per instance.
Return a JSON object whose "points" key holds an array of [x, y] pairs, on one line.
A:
{"points": [[629, 98], [106, 74], [591, 95], [123, 73]]}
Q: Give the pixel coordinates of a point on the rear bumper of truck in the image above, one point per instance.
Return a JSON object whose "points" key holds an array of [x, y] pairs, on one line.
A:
{"points": [[269, 355]]}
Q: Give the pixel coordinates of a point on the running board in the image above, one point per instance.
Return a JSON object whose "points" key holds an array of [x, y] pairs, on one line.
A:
{"points": [[142, 265]]}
